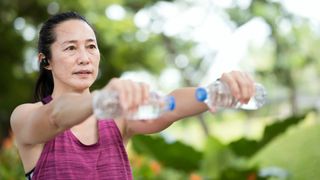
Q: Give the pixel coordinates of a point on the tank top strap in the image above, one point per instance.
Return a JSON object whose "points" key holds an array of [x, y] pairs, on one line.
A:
{"points": [[46, 100], [109, 131]]}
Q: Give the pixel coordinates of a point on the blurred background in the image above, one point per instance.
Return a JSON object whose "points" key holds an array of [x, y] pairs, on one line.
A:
{"points": [[176, 43]]}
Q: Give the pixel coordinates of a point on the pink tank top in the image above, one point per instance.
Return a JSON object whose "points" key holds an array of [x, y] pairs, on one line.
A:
{"points": [[65, 157]]}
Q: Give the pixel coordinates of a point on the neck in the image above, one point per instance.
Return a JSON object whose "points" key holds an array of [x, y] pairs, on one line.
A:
{"points": [[58, 92]]}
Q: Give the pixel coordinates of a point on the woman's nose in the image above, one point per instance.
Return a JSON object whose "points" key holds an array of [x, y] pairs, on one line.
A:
{"points": [[83, 57]]}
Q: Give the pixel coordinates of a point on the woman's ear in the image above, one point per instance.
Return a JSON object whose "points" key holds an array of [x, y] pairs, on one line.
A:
{"points": [[44, 62]]}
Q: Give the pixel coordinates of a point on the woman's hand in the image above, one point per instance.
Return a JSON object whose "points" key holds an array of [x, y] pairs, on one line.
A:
{"points": [[241, 86], [131, 94]]}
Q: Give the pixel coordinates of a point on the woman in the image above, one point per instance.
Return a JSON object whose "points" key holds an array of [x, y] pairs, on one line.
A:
{"points": [[58, 137]]}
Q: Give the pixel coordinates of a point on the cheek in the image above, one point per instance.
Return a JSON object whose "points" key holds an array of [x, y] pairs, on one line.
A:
{"points": [[61, 69], [96, 59], [96, 62], [96, 66]]}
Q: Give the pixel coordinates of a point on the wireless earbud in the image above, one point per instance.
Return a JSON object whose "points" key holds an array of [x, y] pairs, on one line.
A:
{"points": [[44, 62]]}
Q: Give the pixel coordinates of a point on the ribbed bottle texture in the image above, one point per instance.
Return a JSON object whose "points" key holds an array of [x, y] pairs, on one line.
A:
{"points": [[219, 95], [106, 105]]}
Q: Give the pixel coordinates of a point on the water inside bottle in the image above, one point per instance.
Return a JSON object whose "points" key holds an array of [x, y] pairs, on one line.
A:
{"points": [[258, 100], [145, 112], [220, 96], [251, 105]]}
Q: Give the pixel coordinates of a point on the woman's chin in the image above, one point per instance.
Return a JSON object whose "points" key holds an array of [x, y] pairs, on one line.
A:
{"points": [[83, 86]]}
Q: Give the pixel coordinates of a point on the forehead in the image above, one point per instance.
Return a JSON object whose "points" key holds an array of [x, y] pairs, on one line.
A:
{"points": [[73, 30]]}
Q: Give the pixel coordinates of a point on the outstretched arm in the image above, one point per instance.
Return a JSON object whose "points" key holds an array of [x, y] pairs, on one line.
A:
{"points": [[241, 85], [37, 123], [186, 105]]}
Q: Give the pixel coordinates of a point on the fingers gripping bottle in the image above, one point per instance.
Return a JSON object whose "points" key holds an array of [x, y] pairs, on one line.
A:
{"points": [[218, 95], [106, 105]]}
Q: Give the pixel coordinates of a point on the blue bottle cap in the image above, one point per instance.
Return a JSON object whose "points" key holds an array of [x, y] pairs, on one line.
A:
{"points": [[171, 103], [201, 94]]}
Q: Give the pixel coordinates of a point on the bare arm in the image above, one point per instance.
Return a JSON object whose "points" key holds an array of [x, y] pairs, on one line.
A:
{"points": [[241, 85], [37, 123], [186, 105]]}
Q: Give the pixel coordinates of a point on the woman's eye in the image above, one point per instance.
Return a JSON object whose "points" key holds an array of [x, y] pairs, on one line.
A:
{"points": [[92, 46], [71, 48]]}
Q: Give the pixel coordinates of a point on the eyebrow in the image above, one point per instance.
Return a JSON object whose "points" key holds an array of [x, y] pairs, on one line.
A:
{"points": [[75, 41]]}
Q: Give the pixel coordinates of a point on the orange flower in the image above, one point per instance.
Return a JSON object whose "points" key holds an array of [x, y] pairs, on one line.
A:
{"points": [[155, 167], [252, 176], [195, 176]]}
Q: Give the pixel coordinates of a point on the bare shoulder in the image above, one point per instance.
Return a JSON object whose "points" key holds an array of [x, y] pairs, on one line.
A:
{"points": [[20, 113], [22, 110]]}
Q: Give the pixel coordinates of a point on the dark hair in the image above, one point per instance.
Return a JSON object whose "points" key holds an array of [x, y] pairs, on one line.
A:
{"points": [[47, 36]]}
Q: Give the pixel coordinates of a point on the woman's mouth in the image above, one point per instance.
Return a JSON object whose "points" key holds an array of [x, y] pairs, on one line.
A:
{"points": [[83, 73]]}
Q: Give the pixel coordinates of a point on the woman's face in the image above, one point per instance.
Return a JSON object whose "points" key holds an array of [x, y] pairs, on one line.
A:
{"points": [[75, 56]]}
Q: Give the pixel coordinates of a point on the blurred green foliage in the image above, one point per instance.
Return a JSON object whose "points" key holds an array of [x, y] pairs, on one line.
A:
{"points": [[10, 166], [296, 151], [218, 160]]}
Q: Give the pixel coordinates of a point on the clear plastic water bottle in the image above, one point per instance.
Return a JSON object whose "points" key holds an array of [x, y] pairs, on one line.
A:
{"points": [[218, 95], [106, 105]]}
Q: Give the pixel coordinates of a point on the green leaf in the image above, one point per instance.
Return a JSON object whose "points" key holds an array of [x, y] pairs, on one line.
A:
{"points": [[297, 152], [217, 157], [175, 155], [247, 148]]}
